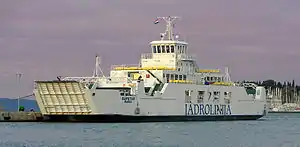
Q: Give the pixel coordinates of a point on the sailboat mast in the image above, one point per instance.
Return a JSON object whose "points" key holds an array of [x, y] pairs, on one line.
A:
{"points": [[286, 95]]}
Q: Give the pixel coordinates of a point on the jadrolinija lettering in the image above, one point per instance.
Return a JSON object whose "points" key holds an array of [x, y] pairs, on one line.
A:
{"points": [[207, 109]]}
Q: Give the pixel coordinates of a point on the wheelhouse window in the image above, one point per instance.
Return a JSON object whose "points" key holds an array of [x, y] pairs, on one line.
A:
{"points": [[179, 49], [172, 48], [154, 49], [162, 49], [158, 49], [168, 49]]}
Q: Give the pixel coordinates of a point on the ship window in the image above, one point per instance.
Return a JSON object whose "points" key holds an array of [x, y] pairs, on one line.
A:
{"points": [[179, 50], [121, 92], [176, 77], [172, 48], [154, 49], [216, 94], [162, 48], [258, 92], [172, 77], [188, 97], [178, 69], [227, 97], [158, 49], [124, 92], [168, 49], [180, 77], [167, 75], [184, 77], [200, 96], [207, 79]]}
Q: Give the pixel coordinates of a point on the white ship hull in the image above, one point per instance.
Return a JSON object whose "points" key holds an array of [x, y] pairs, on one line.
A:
{"points": [[108, 106], [167, 85]]}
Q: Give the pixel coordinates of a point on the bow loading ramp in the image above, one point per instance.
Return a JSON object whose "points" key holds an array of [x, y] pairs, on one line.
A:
{"points": [[62, 97]]}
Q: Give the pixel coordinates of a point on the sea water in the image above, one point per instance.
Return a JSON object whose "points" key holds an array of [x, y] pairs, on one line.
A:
{"points": [[275, 130]]}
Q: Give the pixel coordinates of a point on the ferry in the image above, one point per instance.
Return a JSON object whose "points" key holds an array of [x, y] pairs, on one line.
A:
{"points": [[166, 86]]}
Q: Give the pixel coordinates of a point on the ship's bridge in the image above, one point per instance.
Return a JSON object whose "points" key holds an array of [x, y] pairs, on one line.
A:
{"points": [[165, 53]]}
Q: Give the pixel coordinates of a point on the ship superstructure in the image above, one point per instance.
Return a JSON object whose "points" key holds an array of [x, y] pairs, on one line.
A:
{"points": [[166, 85]]}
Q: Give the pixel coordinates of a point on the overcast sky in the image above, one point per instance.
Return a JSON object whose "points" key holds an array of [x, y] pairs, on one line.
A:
{"points": [[257, 39]]}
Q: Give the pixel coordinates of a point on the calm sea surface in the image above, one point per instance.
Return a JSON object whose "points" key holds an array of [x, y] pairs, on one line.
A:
{"points": [[276, 130]]}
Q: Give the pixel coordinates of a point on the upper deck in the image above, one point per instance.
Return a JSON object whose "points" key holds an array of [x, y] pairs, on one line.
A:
{"points": [[170, 56]]}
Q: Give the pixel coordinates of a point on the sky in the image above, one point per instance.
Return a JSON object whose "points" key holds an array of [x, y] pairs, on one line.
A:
{"points": [[42, 39]]}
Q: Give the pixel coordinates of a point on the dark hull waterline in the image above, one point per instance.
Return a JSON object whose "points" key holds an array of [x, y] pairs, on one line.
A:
{"points": [[284, 112], [140, 119]]}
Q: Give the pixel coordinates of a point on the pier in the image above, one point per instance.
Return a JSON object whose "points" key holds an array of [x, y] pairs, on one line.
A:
{"points": [[21, 117]]}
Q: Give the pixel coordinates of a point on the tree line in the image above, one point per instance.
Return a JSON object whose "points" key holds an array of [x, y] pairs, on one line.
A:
{"points": [[288, 91]]}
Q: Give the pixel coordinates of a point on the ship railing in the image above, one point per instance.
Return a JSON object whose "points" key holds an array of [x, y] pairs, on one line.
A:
{"points": [[182, 81], [186, 57], [147, 56], [157, 56], [208, 71], [200, 82], [118, 80], [120, 67], [125, 66], [249, 85], [84, 79]]}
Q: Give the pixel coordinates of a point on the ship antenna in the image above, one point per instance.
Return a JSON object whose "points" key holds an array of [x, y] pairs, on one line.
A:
{"points": [[169, 27], [97, 70]]}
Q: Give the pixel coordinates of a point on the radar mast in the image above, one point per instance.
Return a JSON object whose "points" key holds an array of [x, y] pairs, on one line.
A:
{"points": [[169, 27]]}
